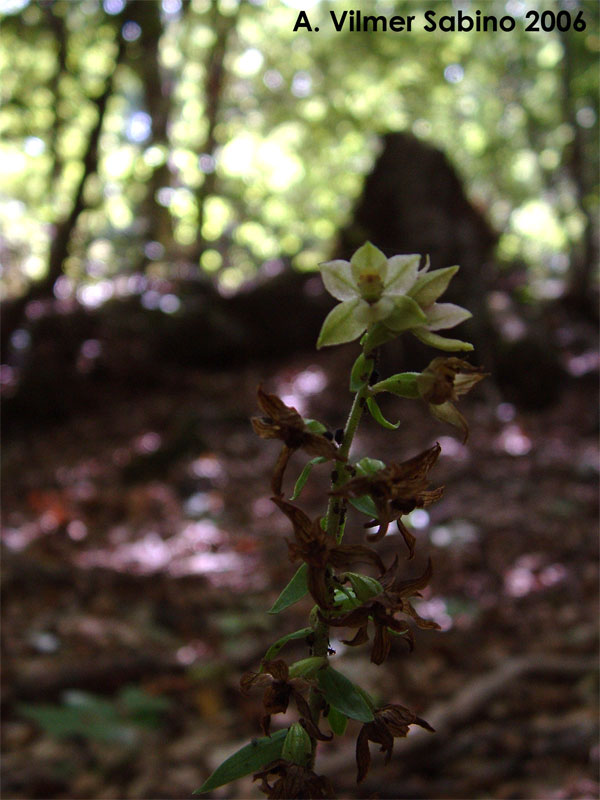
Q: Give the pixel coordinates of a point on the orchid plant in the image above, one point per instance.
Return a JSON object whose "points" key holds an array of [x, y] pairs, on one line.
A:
{"points": [[380, 299]]}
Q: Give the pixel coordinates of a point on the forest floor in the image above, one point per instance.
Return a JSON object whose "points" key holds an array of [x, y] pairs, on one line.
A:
{"points": [[141, 552]]}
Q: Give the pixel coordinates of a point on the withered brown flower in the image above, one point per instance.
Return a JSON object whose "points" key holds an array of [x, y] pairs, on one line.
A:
{"points": [[320, 551], [294, 781], [396, 490], [285, 423], [391, 722], [442, 383], [381, 610], [279, 688]]}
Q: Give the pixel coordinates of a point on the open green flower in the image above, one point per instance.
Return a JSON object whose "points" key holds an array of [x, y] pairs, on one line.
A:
{"points": [[391, 291]]}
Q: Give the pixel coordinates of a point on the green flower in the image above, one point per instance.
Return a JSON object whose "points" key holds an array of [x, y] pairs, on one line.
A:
{"points": [[391, 291]]}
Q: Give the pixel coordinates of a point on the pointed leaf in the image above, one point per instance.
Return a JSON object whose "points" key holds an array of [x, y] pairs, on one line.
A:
{"points": [[378, 416], [428, 288], [249, 759], [404, 384], [343, 695], [307, 667], [304, 475], [361, 371], [294, 591], [366, 505], [337, 721], [434, 340], [276, 646]]}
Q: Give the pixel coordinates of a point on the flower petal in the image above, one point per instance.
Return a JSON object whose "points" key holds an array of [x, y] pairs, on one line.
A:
{"points": [[406, 314], [338, 279], [445, 315], [402, 273], [429, 287], [342, 324], [368, 258], [447, 412]]}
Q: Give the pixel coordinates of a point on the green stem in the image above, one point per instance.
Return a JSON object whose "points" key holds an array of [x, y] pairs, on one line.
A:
{"points": [[334, 528]]}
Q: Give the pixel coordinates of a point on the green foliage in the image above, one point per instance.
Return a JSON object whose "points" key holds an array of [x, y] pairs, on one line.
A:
{"points": [[93, 717], [294, 591], [246, 760], [268, 162], [344, 696]]}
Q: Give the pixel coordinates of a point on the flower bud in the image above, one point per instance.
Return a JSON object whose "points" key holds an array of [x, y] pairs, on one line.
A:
{"points": [[297, 746]]}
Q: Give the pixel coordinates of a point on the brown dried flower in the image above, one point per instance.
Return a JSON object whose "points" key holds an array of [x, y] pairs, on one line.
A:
{"points": [[391, 722], [396, 490], [285, 423], [294, 781], [442, 383], [381, 610], [319, 551], [279, 688]]}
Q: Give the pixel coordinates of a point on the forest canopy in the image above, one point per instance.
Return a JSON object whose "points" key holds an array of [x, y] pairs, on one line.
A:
{"points": [[190, 137]]}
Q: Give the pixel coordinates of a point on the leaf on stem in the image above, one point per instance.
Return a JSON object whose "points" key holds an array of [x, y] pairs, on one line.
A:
{"points": [[249, 759], [337, 721], [294, 591], [276, 646], [343, 695], [378, 416], [361, 372], [304, 475]]}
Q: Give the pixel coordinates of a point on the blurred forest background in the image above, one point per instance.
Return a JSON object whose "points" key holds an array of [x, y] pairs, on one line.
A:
{"points": [[172, 174]]}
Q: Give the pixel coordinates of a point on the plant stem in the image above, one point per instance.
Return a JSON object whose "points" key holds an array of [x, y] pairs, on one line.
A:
{"points": [[334, 528]]}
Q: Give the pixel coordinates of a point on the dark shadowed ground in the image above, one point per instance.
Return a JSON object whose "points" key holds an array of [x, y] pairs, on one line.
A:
{"points": [[141, 552]]}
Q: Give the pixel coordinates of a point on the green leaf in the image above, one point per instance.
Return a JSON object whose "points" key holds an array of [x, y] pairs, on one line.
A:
{"points": [[276, 646], [304, 475], [314, 426], [294, 591], [343, 695], [404, 384], [249, 759], [378, 416], [337, 721], [435, 340], [369, 466], [307, 667], [361, 372], [428, 288], [366, 505]]}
